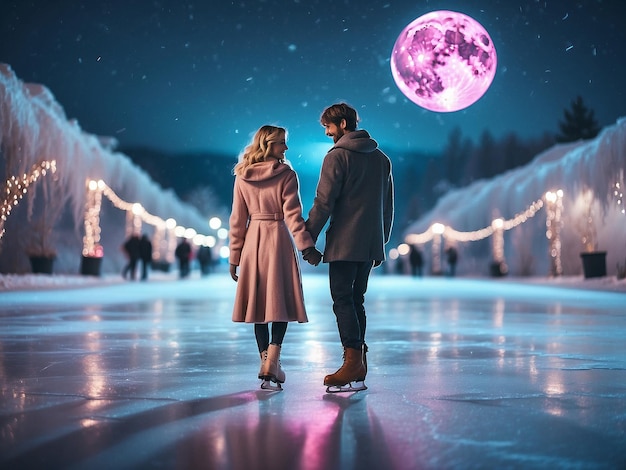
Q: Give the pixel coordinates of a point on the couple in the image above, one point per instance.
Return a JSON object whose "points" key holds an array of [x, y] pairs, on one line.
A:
{"points": [[355, 190]]}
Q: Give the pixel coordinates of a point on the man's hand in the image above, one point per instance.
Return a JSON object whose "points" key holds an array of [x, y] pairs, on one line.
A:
{"points": [[233, 272], [312, 255]]}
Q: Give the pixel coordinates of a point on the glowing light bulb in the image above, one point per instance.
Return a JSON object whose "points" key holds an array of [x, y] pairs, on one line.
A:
{"points": [[215, 223], [438, 228]]}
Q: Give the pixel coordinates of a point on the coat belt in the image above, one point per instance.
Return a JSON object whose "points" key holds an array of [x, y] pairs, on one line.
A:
{"points": [[275, 216]]}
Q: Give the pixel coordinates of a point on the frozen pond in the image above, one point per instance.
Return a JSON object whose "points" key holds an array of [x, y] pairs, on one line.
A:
{"points": [[462, 374]]}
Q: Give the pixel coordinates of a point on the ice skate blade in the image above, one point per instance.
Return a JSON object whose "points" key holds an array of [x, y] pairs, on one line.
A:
{"points": [[269, 385], [349, 387]]}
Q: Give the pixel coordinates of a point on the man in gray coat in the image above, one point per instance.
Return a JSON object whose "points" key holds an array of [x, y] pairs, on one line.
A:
{"points": [[354, 191]]}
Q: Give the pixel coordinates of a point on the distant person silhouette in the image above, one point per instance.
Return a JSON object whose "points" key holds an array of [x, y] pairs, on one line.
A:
{"points": [[183, 254], [416, 260], [205, 259], [132, 250], [145, 254], [453, 257]]}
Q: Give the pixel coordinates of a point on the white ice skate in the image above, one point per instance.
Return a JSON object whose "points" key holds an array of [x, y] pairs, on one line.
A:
{"points": [[271, 371], [355, 386]]}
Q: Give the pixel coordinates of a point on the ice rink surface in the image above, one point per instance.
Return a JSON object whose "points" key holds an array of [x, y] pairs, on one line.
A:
{"points": [[463, 373]]}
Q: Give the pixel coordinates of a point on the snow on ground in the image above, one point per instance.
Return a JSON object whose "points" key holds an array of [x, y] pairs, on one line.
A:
{"points": [[36, 282], [18, 282]]}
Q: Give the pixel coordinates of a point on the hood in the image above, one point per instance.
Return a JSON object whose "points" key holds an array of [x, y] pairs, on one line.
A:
{"points": [[356, 141], [264, 171]]}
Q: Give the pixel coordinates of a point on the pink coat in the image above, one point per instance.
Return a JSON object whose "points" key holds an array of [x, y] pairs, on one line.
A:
{"points": [[266, 229]]}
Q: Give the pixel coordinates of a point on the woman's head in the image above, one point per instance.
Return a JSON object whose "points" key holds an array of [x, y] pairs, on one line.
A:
{"points": [[266, 143]]}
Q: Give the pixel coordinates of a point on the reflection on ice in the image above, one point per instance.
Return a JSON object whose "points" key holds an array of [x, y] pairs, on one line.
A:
{"points": [[461, 373]]}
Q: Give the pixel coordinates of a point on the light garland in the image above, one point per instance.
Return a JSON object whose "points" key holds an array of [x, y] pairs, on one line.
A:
{"points": [[553, 230], [475, 235], [498, 240], [136, 215], [497, 228], [437, 230], [17, 187], [158, 243], [91, 245], [619, 194], [170, 225], [589, 235]]}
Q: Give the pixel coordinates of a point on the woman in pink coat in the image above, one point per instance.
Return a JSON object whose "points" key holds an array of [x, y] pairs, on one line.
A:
{"points": [[266, 229]]}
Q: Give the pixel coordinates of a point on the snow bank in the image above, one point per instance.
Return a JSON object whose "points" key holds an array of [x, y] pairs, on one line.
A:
{"points": [[580, 169], [34, 128]]}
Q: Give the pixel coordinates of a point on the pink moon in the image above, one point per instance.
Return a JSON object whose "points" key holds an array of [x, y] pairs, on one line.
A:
{"points": [[444, 61]]}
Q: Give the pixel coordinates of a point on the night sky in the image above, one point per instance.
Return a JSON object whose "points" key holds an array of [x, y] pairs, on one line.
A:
{"points": [[183, 76]]}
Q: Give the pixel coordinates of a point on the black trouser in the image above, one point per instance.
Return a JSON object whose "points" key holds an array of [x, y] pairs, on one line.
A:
{"points": [[183, 267], [348, 283], [144, 268], [262, 334], [131, 268]]}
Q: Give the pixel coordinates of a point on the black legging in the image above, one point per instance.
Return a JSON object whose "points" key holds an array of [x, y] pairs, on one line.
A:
{"points": [[262, 334]]}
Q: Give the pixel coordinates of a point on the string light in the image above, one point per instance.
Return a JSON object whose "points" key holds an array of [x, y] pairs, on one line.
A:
{"points": [[17, 187], [166, 231], [159, 242], [420, 238], [619, 194], [91, 240], [215, 223], [553, 230], [475, 235], [170, 225], [498, 240], [131, 221], [438, 230], [497, 228], [135, 219], [589, 235]]}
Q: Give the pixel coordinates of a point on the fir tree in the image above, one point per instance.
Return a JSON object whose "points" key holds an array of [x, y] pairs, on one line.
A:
{"points": [[578, 123]]}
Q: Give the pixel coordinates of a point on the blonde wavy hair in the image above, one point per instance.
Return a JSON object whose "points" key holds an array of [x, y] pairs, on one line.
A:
{"points": [[258, 150]]}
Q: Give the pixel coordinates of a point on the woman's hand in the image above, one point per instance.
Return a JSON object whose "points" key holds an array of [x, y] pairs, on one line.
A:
{"points": [[233, 272]]}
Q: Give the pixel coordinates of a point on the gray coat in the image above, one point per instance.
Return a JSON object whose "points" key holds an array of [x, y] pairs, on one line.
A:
{"points": [[355, 190]]}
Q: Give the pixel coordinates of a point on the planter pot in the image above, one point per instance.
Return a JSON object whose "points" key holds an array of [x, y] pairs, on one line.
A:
{"points": [[163, 266], [90, 265], [498, 269], [594, 264], [41, 264]]}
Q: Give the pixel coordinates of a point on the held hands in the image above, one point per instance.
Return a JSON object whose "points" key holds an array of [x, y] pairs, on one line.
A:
{"points": [[312, 256]]}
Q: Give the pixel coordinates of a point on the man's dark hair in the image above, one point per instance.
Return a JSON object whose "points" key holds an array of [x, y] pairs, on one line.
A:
{"points": [[335, 113]]}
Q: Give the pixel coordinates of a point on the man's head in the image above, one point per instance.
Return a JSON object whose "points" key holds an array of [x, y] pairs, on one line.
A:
{"points": [[338, 120]]}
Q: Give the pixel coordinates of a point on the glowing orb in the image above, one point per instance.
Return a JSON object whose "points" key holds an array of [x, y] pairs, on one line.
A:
{"points": [[443, 61]]}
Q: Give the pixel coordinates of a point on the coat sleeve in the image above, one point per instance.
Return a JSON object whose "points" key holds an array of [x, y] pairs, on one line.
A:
{"points": [[238, 224], [388, 207], [328, 188], [292, 211]]}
